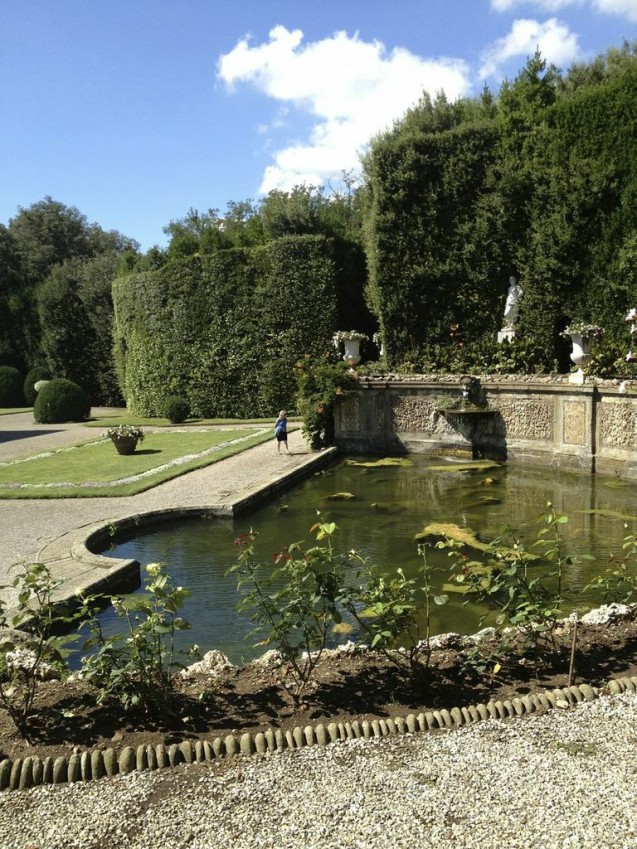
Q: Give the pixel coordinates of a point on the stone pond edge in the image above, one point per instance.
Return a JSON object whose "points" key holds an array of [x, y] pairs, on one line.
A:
{"points": [[79, 571], [24, 773]]}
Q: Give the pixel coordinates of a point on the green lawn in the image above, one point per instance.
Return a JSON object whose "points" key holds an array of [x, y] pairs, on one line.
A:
{"points": [[83, 471], [6, 411]]}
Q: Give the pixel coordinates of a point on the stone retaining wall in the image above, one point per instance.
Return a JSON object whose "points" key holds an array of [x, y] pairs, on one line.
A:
{"points": [[541, 420]]}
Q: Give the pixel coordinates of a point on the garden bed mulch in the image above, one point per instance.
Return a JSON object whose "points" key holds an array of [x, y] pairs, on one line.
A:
{"points": [[347, 686]]}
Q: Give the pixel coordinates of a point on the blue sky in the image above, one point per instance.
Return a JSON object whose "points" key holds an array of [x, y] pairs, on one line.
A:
{"points": [[135, 111]]}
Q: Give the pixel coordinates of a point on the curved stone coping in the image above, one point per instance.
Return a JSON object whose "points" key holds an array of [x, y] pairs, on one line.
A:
{"points": [[27, 772], [80, 571]]}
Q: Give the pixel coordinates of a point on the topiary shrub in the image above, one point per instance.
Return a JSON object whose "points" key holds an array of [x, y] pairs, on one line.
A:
{"points": [[10, 387], [35, 374], [61, 400], [176, 409]]}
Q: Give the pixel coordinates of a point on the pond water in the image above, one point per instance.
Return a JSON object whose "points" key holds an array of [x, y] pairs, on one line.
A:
{"points": [[390, 505]]}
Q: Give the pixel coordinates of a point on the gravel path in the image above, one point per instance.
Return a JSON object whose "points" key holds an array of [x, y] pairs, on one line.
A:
{"points": [[562, 780]]}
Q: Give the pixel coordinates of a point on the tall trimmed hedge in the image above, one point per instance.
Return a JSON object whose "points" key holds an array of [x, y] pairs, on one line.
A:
{"points": [[224, 331], [426, 247], [540, 183]]}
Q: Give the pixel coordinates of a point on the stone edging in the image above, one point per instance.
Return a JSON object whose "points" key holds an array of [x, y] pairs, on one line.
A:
{"points": [[24, 773], [80, 571]]}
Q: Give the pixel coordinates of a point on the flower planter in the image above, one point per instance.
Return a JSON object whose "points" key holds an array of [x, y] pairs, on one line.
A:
{"points": [[352, 354], [581, 353], [125, 444]]}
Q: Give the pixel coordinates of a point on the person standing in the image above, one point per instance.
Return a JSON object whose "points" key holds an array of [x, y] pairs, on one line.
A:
{"points": [[281, 432]]}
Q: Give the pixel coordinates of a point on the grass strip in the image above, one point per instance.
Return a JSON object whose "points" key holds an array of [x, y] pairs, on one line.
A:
{"points": [[84, 471], [140, 421], [7, 411]]}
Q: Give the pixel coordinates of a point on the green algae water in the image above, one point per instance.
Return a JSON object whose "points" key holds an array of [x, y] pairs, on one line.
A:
{"points": [[383, 509]]}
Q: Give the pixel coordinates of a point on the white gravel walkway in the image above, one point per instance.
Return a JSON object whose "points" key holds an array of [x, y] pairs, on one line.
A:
{"points": [[562, 780]]}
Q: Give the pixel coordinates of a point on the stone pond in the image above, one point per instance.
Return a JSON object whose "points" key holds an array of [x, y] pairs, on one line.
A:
{"points": [[388, 507]]}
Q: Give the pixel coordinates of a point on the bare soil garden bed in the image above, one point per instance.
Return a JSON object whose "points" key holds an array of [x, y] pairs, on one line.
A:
{"points": [[347, 685]]}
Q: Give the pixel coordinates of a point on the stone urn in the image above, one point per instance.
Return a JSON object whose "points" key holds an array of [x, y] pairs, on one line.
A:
{"points": [[352, 355], [125, 444], [125, 438], [581, 353]]}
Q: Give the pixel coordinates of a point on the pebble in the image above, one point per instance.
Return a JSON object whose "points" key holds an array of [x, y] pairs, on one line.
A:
{"points": [[558, 780]]}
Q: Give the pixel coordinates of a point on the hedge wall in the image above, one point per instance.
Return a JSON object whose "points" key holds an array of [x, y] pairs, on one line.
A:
{"points": [[542, 184], [425, 246], [225, 331]]}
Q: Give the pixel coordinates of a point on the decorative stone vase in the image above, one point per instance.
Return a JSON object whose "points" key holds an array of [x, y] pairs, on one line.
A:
{"points": [[352, 355], [581, 353], [125, 444]]}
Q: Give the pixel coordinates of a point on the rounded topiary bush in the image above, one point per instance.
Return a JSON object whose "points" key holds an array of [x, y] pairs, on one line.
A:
{"points": [[35, 374], [61, 400], [176, 409], [10, 387]]}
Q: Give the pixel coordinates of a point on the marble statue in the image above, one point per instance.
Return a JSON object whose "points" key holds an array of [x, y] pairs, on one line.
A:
{"points": [[512, 303]]}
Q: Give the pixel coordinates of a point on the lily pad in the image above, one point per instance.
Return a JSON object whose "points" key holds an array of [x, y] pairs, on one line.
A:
{"points": [[387, 507], [340, 496], [484, 500], [448, 530], [342, 628], [402, 462], [460, 589], [456, 468], [611, 514], [467, 537]]}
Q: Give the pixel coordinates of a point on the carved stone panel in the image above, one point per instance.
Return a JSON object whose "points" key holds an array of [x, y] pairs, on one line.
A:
{"points": [[527, 418], [351, 413], [377, 417], [617, 425], [417, 413], [574, 422]]}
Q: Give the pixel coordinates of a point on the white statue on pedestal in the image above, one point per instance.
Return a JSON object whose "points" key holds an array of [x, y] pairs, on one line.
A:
{"points": [[510, 310]]}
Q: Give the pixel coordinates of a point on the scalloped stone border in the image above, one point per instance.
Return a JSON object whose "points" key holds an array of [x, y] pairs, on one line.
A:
{"points": [[27, 772]]}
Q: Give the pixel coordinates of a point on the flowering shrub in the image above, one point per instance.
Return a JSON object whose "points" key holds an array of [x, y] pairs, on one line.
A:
{"points": [[319, 382], [125, 431], [631, 316], [347, 335], [135, 667], [581, 328]]}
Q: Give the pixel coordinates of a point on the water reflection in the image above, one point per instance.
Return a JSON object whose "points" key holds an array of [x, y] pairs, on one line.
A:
{"points": [[390, 505]]}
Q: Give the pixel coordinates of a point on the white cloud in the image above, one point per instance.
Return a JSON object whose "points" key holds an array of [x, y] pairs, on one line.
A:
{"points": [[621, 8], [556, 43], [352, 88], [545, 5]]}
